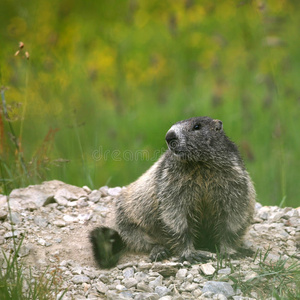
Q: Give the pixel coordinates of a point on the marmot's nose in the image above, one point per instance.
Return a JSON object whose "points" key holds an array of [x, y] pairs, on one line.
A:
{"points": [[171, 137]]}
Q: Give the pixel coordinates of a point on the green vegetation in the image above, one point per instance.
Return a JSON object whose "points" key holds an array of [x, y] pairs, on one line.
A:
{"points": [[279, 279], [19, 283], [110, 77]]}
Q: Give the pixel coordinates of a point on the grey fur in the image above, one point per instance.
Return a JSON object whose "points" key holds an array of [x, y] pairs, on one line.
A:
{"points": [[198, 195]]}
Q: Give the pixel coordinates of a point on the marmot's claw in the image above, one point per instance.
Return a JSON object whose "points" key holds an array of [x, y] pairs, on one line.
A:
{"points": [[195, 256], [159, 253]]}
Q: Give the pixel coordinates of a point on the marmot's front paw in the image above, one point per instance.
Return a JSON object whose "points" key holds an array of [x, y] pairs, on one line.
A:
{"points": [[159, 253], [194, 256]]}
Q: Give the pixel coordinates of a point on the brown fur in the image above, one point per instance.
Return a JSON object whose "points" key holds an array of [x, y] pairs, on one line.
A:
{"points": [[198, 195]]}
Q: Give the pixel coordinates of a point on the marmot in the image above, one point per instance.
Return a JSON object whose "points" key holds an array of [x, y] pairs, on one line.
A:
{"points": [[198, 195]]}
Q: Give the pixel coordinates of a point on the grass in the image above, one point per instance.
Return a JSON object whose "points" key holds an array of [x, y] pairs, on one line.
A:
{"points": [[118, 78], [18, 282], [279, 279]]}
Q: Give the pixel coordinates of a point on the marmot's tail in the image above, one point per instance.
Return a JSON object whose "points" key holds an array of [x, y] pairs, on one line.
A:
{"points": [[107, 246]]}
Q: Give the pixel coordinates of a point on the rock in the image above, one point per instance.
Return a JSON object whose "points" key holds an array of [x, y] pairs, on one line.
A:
{"points": [[207, 269], [70, 219], [41, 242], [25, 250], [250, 275], [144, 287], [144, 266], [77, 279], [181, 274], [59, 223], [125, 265], [41, 222], [147, 296], [15, 218], [95, 196], [11, 234], [128, 272], [166, 298], [3, 202], [156, 282], [3, 214], [87, 189], [218, 288], [101, 287], [45, 193], [166, 269], [140, 276], [191, 286], [162, 291], [130, 282], [275, 228], [114, 191], [104, 191], [225, 271]]}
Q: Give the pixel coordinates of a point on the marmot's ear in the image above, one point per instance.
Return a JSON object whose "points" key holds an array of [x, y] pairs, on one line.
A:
{"points": [[218, 125]]}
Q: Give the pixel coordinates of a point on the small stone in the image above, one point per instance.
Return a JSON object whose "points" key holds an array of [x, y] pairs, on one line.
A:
{"points": [[144, 266], [181, 274], [147, 296], [225, 271], [25, 250], [250, 275], [101, 287], [218, 288], [140, 276], [41, 222], [130, 282], [95, 196], [125, 265], [15, 218], [11, 234], [166, 298], [128, 272], [162, 291], [156, 282], [144, 287], [41, 242], [104, 278], [191, 286], [197, 293], [120, 287], [77, 279], [114, 191], [207, 269], [3, 214], [77, 270], [207, 295], [86, 189], [72, 203], [59, 223], [219, 297], [104, 191], [69, 219], [166, 269]]}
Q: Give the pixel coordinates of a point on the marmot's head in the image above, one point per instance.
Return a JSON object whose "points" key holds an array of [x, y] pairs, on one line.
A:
{"points": [[199, 139]]}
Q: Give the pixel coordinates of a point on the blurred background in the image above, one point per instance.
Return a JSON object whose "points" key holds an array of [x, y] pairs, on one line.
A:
{"points": [[90, 95]]}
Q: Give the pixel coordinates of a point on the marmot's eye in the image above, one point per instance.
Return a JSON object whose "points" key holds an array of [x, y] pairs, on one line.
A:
{"points": [[197, 127]]}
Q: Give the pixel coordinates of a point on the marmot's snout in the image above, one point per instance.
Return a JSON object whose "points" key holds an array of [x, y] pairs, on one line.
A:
{"points": [[171, 139]]}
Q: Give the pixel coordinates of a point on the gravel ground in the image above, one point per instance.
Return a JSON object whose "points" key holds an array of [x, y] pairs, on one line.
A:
{"points": [[55, 219]]}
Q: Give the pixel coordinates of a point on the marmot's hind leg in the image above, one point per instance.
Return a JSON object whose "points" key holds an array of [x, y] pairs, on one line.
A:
{"points": [[107, 246], [138, 240]]}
